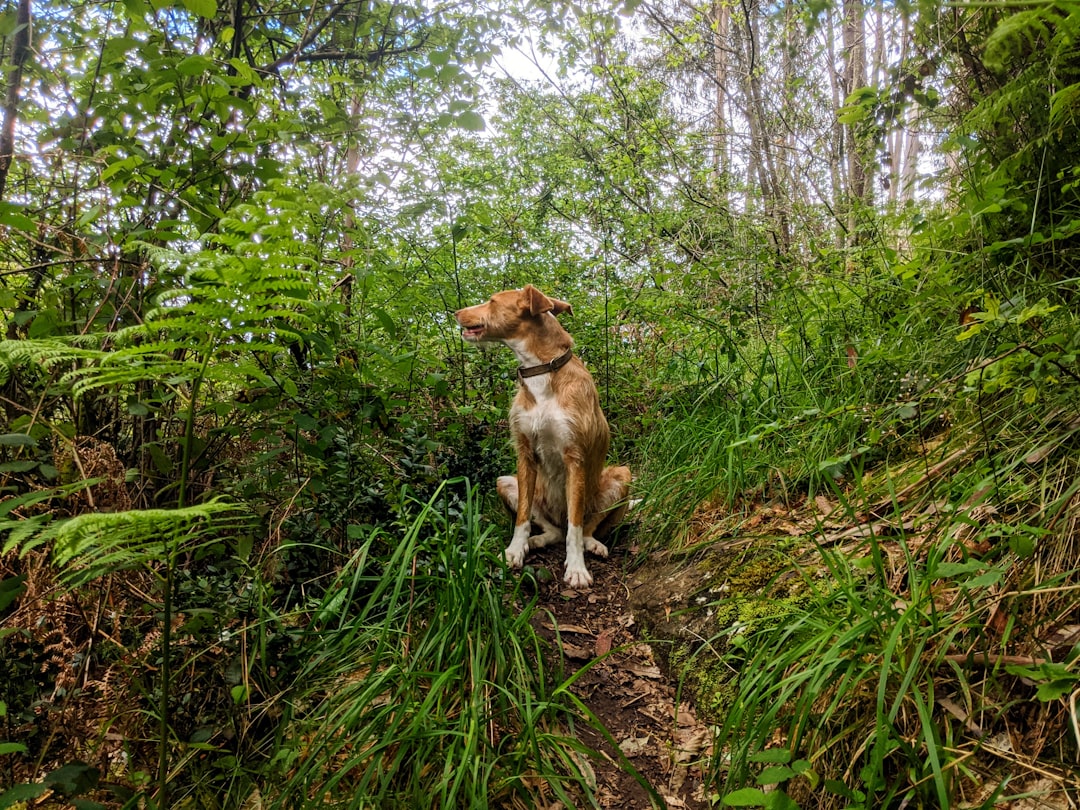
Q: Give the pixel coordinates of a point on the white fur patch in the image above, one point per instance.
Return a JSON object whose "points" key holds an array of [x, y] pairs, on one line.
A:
{"points": [[577, 575], [519, 544]]}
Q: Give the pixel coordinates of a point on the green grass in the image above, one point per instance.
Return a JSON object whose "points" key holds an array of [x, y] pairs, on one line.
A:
{"points": [[898, 661], [427, 686]]}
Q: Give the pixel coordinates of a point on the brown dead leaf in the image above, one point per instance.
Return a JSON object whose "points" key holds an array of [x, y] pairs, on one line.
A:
{"points": [[644, 688], [877, 528], [686, 717], [692, 744], [576, 652], [648, 671], [603, 642], [568, 628], [957, 711], [1065, 636], [824, 505], [654, 711], [642, 651], [998, 621]]}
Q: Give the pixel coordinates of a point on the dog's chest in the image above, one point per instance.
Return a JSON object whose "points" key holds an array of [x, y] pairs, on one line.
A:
{"points": [[547, 427]]}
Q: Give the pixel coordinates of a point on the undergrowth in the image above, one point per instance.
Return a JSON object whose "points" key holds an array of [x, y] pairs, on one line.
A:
{"points": [[930, 455], [427, 685]]}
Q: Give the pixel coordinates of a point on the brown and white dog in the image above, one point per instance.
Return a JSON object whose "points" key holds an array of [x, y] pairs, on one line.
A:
{"points": [[561, 434]]}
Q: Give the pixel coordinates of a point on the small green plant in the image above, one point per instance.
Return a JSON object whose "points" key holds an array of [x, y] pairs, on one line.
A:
{"points": [[780, 772]]}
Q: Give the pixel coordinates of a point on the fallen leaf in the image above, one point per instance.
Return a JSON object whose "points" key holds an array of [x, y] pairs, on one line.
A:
{"points": [[686, 717], [651, 671], [1065, 636], [603, 642], [634, 746], [690, 745], [998, 621], [957, 711], [574, 651], [642, 651], [824, 505], [568, 628]]}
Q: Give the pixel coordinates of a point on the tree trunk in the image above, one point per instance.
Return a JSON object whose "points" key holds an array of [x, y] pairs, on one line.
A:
{"points": [[910, 163], [838, 152], [761, 152], [352, 165], [720, 23], [854, 31], [20, 50]]}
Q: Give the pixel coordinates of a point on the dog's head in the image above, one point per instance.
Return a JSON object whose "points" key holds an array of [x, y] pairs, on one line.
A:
{"points": [[507, 314]]}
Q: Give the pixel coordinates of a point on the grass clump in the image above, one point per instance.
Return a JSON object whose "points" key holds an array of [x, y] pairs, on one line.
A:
{"points": [[427, 687], [925, 467]]}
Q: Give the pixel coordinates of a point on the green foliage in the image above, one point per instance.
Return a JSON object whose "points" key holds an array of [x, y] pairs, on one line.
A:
{"points": [[777, 773], [231, 244], [425, 683], [91, 545]]}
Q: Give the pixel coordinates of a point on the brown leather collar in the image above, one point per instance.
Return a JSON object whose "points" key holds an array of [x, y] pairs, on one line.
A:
{"points": [[545, 368]]}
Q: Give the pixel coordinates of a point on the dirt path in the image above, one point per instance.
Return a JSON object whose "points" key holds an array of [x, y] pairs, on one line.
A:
{"points": [[623, 687]]}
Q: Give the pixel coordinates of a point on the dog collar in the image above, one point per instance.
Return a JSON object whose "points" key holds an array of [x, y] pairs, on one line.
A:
{"points": [[545, 368]]}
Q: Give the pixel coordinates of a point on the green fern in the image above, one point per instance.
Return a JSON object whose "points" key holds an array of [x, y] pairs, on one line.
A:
{"points": [[1021, 33], [242, 301], [94, 544]]}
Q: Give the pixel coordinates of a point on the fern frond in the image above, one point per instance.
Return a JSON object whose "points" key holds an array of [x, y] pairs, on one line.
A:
{"points": [[91, 545], [1021, 33], [46, 352]]}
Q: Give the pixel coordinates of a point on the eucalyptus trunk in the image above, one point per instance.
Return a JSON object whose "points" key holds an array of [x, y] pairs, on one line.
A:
{"points": [[720, 24], [854, 32]]}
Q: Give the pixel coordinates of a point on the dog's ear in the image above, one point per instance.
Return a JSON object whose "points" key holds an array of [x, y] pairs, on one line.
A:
{"points": [[559, 307], [535, 302]]}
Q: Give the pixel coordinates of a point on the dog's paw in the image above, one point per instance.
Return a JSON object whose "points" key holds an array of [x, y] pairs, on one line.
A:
{"points": [[515, 555], [594, 546], [578, 578], [546, 539]]}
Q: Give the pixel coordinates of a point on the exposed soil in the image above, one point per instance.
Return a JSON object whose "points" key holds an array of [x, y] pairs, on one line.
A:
{"points": [[658, 736]]}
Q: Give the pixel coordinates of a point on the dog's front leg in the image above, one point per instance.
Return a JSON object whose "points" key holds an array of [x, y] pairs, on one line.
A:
{"points": [[577, 575], [526, 478]]}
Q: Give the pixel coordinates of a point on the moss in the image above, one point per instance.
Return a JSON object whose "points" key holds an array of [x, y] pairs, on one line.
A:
{"points": [[739, 597], [707, 679], [710, 685]]}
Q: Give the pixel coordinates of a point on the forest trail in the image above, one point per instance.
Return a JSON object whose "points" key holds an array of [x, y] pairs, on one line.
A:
{"points": [[622, 685]]}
